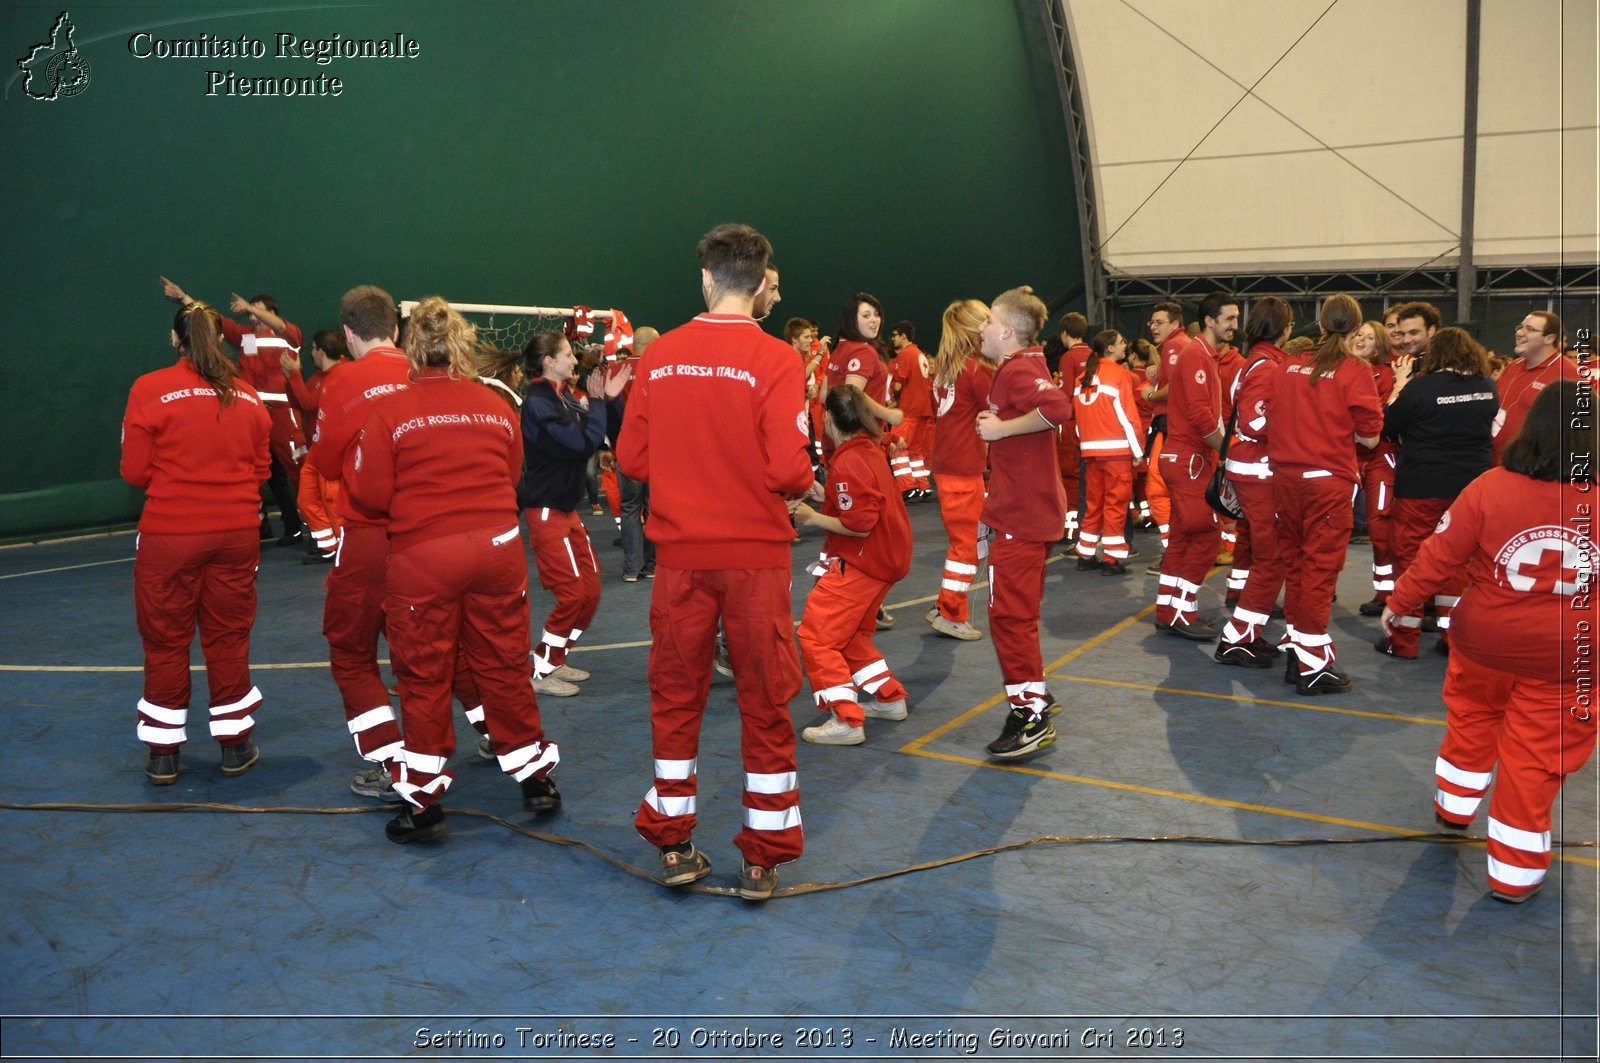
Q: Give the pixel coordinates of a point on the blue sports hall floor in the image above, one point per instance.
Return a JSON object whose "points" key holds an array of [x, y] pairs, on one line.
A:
{"points": [[1205, 865]]}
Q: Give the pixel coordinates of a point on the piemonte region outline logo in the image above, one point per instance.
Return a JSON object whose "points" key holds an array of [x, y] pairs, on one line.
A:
{"points": [[55, 69]]}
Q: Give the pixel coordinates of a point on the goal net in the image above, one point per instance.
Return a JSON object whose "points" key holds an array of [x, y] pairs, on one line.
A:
{"points": [[510, 327]]}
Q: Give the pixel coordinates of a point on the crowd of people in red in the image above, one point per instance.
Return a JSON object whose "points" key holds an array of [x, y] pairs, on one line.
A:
{"points": [[430, 452]]}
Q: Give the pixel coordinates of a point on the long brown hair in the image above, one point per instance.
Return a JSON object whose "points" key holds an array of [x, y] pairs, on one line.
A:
{"points": [[1339, 319], [959, 341], [199, 329]]}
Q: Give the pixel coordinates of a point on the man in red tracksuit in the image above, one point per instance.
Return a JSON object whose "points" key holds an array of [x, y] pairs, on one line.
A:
{"points": [[719, 402], [1538, 364], [1024, 511], [352, 616], [1074, 326], [1166, 329], [1194, 434], [913, 393]]}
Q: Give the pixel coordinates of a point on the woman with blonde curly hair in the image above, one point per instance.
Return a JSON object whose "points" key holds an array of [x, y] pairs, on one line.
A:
{"points": [[961, 382], [440, 461]]}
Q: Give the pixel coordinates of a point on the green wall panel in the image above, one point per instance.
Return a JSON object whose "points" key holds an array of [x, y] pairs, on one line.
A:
{"points": [[533, 152]]}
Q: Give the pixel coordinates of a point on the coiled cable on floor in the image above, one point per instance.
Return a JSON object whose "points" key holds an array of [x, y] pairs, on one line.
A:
{"points": [[782, 891]]}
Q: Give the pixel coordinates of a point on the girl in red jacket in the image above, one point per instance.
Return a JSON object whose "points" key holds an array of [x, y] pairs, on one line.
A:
{"points": [[439, 462], [961, 379], [1110, 440], [1518, 688], [869, 551], [1322, 403], [196, 438]]}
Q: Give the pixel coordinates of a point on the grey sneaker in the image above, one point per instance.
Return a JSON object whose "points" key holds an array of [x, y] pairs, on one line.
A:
{"points": [[951, 629], [680, 869], [485, 747], [886, 710], [569, 674], [756, 883], [721, 662], [162, 769], [551, 687], [374, 782], [834, 732]]}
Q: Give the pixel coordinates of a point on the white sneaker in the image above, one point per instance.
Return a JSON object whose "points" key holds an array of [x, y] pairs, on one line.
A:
{"points": [[551, 687], [570, 674], [834, 732], [887, 710], [949, 628], [721, 662], [931, 615]]}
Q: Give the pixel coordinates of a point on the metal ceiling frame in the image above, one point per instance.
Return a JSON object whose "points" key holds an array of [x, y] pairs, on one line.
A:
{"points": [[1107, 289]]}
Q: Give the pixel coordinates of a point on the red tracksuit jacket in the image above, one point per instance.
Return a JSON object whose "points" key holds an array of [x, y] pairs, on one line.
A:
{"points": [[862, 494], [346, 398]]}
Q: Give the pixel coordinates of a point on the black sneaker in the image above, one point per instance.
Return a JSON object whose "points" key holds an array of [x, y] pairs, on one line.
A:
{"points": [[236, 760], [540, 795], [294, 538], [1291, 667], [1022, 735], [412, 826], [317, 558], [162, 768], [756, 883], [1323, 681], [683, 865], [1113, 568], [1087, 564], [1255, 654], [1372, 608], [1449, 824]]}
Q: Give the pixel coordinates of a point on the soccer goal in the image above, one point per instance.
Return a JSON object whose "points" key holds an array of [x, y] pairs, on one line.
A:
{"points": [[509, 327]]}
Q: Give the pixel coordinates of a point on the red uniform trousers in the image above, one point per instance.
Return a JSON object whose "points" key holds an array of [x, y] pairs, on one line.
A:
{"points": [[836, 643], [1314, 521], [1537, 733], [1192, 544], [899, 457], [1243, 553], [287, 442], [352, 619], [1263, 566], [465, 593], [960, 506], [1412, 521], [569, 570], [1228, 533], [180, 581], [1016, 592], [919, 440], [1107, 490], [1155, 489], [1377, 480], [318, 502], [1070, 457], [753, 605]]}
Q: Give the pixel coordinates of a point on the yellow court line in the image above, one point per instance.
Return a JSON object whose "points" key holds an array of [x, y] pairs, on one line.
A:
{"points": [[287, 666], [1219, 802], [1319, 707]]}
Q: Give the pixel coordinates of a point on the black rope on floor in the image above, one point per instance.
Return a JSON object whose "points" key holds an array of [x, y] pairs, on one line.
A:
{"points": [[1452, 838]]}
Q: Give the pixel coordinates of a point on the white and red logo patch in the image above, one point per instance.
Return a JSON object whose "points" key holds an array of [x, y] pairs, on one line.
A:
{"points": [[1200, 376], [853, 365], [801, 422], [1548, 559], [841, 496]]}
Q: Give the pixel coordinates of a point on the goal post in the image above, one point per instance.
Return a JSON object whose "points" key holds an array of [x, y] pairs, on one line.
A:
{"points": [[510, 327]]}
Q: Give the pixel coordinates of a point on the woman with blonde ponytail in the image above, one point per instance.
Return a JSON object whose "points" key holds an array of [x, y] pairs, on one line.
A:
{"points": [[1323, 404], [439, 461], [195, 438], [961, 380]]}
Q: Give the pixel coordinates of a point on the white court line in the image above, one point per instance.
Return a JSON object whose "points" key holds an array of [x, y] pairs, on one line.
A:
{"points": [[63, 668], [67, 568], [68, 539]]}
